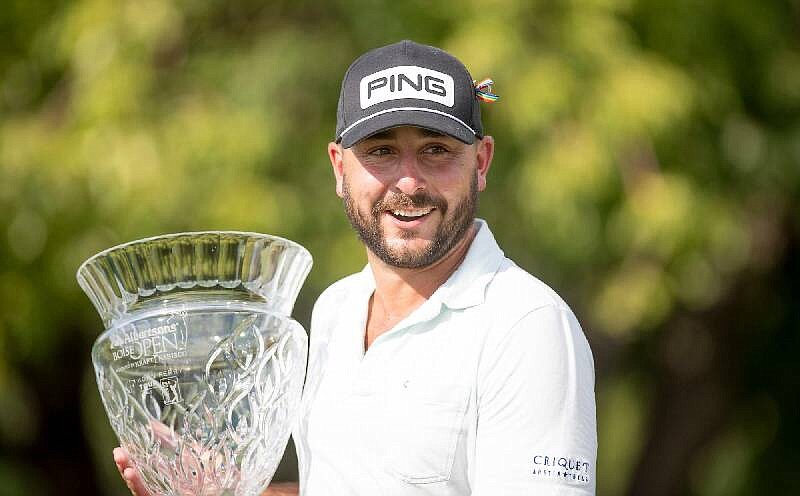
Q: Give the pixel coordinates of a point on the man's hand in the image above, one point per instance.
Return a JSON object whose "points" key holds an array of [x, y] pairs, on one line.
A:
{"points": [[282, 489], [134, 481], [129, 473]]}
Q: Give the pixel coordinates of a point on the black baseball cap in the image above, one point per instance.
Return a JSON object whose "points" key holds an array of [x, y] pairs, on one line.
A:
{"points": [[407, 84]]}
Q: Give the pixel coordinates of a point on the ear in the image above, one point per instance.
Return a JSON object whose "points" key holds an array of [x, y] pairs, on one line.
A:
{"points": [[484, 156], [335, 154]]}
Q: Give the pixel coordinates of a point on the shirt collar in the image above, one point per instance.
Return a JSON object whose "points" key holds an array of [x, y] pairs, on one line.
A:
{"points": [[466, 287]]}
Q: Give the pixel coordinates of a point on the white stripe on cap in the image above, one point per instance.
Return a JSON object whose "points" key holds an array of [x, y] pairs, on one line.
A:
{"points": [[421, 109]]}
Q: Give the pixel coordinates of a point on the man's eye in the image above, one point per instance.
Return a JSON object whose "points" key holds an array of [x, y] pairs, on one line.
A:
{"points": [[380, 151], [435, 149]]}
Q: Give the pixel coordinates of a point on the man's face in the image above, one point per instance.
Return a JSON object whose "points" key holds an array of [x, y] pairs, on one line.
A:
{"points": [[411, 194]]}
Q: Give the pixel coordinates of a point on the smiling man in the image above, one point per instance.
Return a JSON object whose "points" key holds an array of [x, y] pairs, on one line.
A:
{"points": [[441, 368]]}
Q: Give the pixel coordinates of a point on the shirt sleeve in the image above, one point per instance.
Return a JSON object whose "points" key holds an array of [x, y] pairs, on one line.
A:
{"points": [[536, 429]]}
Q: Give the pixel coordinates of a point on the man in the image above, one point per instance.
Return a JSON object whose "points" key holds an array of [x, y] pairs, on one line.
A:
{"points": [[442, 368]]}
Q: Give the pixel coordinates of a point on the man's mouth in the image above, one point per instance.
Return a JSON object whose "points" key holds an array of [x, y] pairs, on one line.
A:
{"points": [[409, 214]]}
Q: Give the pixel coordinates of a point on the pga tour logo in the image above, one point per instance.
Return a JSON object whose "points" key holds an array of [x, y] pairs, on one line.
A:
{"points": [[406, 81]]}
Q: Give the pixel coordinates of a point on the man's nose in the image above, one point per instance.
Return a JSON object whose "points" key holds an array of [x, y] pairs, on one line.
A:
{"points": [[409, 175]]}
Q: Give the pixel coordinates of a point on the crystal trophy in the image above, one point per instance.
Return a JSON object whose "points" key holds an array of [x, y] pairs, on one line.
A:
{"points": [[200, 366]]}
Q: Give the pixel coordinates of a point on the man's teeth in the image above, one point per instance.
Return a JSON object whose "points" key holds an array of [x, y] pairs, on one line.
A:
{"points": [[417, 212]]}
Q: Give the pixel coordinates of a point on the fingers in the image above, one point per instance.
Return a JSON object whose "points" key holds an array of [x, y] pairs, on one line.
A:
{"points": [[129, 473], [164, 433], [135, 482], [121, 459]]}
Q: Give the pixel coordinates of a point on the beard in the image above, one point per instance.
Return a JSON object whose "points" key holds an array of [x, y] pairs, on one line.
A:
{"points": [[456, 221]]}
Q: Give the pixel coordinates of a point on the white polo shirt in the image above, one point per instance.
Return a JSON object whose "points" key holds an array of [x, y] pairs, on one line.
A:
{"points": [[486, 389]]}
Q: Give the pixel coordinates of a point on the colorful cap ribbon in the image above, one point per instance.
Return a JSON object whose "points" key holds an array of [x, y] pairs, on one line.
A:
{"points": [[483, 91]]}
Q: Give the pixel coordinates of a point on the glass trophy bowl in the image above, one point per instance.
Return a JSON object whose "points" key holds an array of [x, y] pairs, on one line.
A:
{"points": [[200, 367]]}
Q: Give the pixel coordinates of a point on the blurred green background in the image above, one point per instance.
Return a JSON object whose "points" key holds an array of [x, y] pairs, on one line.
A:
{"points": [[647, 167]]}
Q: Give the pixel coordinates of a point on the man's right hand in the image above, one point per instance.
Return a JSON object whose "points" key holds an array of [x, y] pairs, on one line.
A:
{"points": [[134, 481], [129, 473], [282, 489]]}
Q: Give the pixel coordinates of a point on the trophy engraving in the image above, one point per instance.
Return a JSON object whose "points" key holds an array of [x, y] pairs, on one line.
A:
{"points": [[200, 367]]}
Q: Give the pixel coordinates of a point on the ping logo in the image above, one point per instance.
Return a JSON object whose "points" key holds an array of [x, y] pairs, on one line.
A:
{"points": [[406, 81]]}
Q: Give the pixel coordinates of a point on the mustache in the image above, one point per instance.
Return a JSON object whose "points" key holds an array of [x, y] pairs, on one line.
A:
{"points": [[397, 201]]}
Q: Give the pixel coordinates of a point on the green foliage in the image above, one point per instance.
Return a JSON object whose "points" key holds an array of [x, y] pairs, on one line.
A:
{"points": [[646, 167]]}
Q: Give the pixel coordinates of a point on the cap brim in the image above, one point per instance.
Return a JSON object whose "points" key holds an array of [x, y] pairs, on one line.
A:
{"points": [[417, 118]]}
